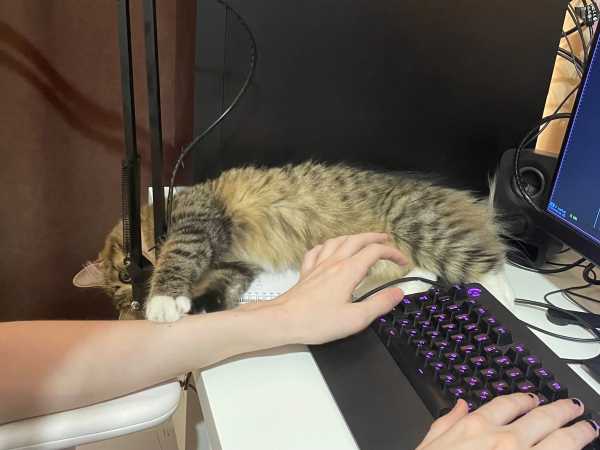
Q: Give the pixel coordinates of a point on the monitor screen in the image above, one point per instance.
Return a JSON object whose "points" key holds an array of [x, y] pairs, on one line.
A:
{"points": [[575, 195]]}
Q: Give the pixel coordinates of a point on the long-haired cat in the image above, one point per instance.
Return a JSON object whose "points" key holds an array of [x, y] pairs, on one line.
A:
{"points": [[227, 230]]}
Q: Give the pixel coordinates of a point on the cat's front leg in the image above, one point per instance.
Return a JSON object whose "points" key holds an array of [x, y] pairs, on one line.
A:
{"points": [[182, 262]]}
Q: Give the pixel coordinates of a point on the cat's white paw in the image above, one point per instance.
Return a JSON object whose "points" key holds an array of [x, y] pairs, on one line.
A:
{"points": [[184, 304], [163, 308]]}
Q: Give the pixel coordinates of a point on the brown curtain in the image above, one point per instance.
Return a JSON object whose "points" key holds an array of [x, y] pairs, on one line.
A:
{"points": [[61, 140]]}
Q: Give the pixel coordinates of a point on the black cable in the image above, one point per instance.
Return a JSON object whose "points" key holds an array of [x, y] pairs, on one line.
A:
{"points": [[569, 56], [394, 282], [586, 275], [549, 271], [225, 113], [579, 320]]}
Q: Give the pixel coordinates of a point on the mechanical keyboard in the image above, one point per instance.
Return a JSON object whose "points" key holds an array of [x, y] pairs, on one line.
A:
{"points": [[445, 344]]}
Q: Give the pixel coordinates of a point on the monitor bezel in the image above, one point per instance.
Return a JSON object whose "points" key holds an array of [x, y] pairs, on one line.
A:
{"points": [[546, 220]]}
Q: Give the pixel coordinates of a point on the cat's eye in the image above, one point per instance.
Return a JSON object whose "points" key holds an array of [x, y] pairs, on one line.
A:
{"points": [[124, 277]]}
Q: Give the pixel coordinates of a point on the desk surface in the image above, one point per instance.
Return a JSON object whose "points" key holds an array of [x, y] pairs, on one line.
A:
{"points": [[278, 399]]}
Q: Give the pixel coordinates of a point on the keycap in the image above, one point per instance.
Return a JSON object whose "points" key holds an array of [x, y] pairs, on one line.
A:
{"points": [[501, 336], [471, 330], [447, 380], [480, 340], [453, 309], [418, 344], [540, 376], [499, 387], [430, 310], [439, 319], [501, 362], [448, 329], [457, 340], [525, 386], [462, 369], [491, 352], [432, 336], [457, 392], [407, 306], [516, 352], [478, 312], [450, 358], [457, 292], [488, 374], [383, 321], [408, 334], [466, 350], [423, 326], [390, 334], [472, 382], [461, 320], [477, 363], [423, 300], [528, 364], [487, 323], [554, 390], [482, 396]]}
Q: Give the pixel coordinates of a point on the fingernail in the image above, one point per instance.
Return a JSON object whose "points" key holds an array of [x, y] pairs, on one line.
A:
{"points": [[593, 424], [577, 402], [533, 396]]}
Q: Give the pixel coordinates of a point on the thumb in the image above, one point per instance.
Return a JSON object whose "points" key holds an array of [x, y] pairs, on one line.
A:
{"points": [[382, 302], [444, 423]]}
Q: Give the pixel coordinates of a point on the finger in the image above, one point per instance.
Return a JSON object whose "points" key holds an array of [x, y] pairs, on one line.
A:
{"points": [[380, 303], [542, 421], [310, 261], [506, 408], [570, 438], [444, 423], [330, 247], [360, 263]]}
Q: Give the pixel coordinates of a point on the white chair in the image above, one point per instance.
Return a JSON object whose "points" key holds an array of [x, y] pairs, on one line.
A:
{"points": [[106, 420]]}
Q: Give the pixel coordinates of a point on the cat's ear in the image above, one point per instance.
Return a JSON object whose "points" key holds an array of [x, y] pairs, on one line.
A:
{"points": [[90, 276]]}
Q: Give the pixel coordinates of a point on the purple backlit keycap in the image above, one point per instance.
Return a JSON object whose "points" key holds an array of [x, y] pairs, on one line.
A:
{"points": [[501, 335], [453, 308], [441, 345], [541, 375], [428, 354], [501, 362], [488, 322], [482, 395], [447, 379], [488, 374], [477, 362], [471, 329], [439, 319], [462, 319], [451, 357], [432, 336], [457, 392], [480, 340], [491, 351], [466, 350], [516, 352], [554, 390], [431, 309], [449, 328], [418, 343], [401, 323], [437, 365], [473, 292], [472, 382], [526, 386], [500, 387], [513, 373], [457, 339], [529, 363], [461, 369]]}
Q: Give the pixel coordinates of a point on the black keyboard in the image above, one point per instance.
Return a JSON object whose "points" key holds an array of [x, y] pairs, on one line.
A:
{"points": [[457, 342]]}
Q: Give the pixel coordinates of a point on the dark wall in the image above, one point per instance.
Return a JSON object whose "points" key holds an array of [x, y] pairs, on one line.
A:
{"points": [[61, 141], [436, 86]]}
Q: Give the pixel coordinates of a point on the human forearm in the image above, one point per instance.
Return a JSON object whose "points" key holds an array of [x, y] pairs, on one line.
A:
{"points": [[54, 366]]}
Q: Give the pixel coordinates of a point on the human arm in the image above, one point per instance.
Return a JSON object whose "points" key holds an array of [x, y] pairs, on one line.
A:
{"points": [[54, 366]]}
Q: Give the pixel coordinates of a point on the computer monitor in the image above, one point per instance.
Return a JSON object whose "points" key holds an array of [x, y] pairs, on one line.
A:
{"points": [[573, 207]]}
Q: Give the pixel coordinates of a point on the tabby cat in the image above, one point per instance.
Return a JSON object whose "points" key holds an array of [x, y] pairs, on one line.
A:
{"points": [[227, 230]]}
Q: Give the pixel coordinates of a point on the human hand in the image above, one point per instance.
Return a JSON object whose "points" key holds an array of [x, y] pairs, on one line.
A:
{"points": [[493, 426], [319, 307]]}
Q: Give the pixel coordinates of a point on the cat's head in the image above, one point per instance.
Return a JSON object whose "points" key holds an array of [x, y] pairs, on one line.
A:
{"points": [[108, 272]]}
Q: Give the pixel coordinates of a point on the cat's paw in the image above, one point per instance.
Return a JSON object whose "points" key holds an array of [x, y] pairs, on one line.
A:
{"points": [[163, 308]]}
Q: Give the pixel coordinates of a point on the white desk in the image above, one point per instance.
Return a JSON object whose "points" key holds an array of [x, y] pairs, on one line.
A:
{"points": [[278, 400]]}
